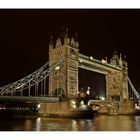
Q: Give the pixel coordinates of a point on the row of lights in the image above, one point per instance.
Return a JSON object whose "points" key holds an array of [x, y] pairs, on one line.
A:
{"points": [[91, 58]]}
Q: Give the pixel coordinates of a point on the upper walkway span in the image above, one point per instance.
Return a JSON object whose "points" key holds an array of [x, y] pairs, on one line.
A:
{"points": [[92, 64]]}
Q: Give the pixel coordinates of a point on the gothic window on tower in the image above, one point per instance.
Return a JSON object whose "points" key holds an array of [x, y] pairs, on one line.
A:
{"points": [[71, 51]]}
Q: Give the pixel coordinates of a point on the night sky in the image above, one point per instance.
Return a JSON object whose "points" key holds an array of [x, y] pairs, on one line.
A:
{"points": [[25, 35]]}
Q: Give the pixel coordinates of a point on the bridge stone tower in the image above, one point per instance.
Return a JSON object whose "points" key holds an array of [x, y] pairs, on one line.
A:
{"points": [[64, 80], [117, 80]]}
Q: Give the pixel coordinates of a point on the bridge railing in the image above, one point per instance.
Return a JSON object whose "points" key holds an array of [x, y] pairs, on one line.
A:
{"points": [[17, 99]]}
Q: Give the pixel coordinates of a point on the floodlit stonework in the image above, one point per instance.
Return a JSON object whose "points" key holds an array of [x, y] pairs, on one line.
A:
{"points": [[64, 63], [64, 81]]}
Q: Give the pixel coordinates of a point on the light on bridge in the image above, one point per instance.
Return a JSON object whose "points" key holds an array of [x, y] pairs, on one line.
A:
{"points": [[82, 102], [91, 57], [80, 60], [57, 68], [102, 98], [38, 106], [73, 103], [104, 61]]}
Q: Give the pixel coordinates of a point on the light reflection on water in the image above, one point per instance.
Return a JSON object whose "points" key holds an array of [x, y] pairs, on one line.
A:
{"points": [[98, 123]]}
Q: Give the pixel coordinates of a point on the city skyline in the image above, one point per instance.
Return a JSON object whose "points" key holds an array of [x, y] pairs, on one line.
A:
{"points": [[25, 35]]}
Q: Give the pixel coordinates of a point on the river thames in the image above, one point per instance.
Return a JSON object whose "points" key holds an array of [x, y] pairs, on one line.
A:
{"points": [[98, 123]]}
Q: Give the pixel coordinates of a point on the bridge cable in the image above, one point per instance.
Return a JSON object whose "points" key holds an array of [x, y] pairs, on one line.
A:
{"points": [[133, 88]]}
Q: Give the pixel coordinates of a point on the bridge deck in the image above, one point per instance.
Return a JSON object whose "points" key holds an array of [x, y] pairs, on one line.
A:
{"points": [[41, 99]]}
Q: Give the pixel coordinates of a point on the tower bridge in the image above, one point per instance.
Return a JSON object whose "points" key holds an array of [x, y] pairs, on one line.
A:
{"points": [[61, 71]]}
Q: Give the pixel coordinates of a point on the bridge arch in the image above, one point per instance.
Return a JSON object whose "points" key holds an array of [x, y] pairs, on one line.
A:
{"points": [[59, 92]]}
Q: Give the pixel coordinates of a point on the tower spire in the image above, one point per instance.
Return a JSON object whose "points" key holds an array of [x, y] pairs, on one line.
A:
{"points": [[51, 43], [64, 34], [120, 61], [76, 37]]}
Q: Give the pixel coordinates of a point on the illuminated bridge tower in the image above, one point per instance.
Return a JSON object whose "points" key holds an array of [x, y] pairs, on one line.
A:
{"points": [[64, 80], [117, 80]]}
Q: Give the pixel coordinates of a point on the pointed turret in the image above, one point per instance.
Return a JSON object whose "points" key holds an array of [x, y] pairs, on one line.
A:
{"points": [[120, 61], [58, 43], [64, 36], [76, 40], [76, 37], [72, 42], [115, 59], [51, 44]]}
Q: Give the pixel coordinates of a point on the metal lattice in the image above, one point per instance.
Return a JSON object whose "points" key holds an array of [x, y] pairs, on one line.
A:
{"points": [[39, 76]]}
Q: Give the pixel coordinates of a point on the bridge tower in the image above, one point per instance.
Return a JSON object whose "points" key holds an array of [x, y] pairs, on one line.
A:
{"points": [[64, 80], [116, 80]]}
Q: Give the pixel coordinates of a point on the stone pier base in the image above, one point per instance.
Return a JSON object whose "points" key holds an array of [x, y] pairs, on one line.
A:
{"points": [[69, 108], [127, 107], [103, 109]]}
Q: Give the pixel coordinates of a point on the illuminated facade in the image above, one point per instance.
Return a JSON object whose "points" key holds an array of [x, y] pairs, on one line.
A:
{"points": [[64, 81]]}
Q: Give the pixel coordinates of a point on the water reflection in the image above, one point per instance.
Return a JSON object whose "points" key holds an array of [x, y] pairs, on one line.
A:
{"points": [[114, 123], [38, 124], [137, 122], [82, 125], [74, 125], [27, 125], [98, 123]]}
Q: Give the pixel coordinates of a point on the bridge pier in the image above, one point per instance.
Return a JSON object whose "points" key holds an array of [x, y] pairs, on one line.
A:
{"points": [[124, 107], [71, 108], [127, 107]]}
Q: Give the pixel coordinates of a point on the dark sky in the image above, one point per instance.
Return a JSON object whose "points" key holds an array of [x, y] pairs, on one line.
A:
{"points": [[25, 35]]}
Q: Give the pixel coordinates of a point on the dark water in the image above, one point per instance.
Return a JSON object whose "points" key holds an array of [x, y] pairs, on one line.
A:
{"points": [[98, 123]]}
